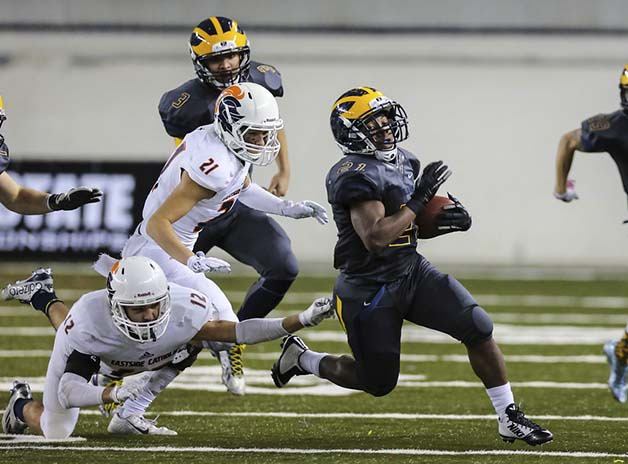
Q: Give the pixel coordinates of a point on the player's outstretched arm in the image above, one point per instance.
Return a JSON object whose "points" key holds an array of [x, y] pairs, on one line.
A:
{"points": [[564, 188], [257, 198], [254, 331], [25, 200]]}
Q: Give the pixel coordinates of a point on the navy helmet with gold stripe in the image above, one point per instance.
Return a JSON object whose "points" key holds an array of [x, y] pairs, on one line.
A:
{"points": [[623, 88], [216, 37], [365, 121]]}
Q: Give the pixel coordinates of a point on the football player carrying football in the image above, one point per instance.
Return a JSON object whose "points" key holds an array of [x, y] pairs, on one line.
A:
{"points": [[601, 133], [140, 322], [220, 53], [25, 200], [376, 192]]}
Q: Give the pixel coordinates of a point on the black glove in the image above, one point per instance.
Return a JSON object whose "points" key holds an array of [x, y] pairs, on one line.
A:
{"points": [[432, 178], [73, 198], [454, 217]]}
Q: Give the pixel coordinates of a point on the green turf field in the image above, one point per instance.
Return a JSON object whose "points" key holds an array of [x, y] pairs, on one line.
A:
{"points": [[550, 331]]}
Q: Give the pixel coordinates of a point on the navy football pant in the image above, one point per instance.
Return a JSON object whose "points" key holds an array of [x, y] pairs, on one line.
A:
{"points": [[372, 315]]}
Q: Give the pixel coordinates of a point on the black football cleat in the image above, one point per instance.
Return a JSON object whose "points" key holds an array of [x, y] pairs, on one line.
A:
{"points": [[514, 425], [287, 365]]}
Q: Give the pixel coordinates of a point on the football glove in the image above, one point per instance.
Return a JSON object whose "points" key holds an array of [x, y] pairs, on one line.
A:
{"points": [[569, 194], [318, 311], [73, 198], [120, 393], [454, 217], [201, 263], [434, 175], [305, 209], [4, 148]]}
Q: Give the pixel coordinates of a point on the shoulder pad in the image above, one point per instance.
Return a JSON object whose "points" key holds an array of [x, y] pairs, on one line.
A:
{"points": [[187, 107], [4, 158], [202, 168], [352, 180], [193, 304], [599, 122], [267, 76]]}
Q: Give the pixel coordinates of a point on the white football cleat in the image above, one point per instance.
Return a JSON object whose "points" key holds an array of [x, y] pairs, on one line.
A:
{"points": [[514, 425], [287, 365], [232, 370], [11, 424], [136, 424]]}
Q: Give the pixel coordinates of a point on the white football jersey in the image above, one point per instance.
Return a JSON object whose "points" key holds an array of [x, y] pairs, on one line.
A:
{"points": [[210, 164], [89, 329]]}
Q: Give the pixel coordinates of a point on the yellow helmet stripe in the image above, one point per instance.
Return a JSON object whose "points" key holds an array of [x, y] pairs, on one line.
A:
{"points": [[216, 24], [623, 80], [361, 103]]}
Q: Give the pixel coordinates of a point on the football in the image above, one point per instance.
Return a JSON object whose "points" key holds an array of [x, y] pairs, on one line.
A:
{"points": [[426, 221]]}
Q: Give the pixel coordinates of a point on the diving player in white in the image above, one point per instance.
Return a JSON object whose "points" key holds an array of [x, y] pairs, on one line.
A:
{"points": [[140, 322]]}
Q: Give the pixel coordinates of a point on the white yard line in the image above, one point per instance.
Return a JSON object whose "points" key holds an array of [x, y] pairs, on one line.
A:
{"points": [[375, 416], [505, 334], [419, 358], [566, 301], [284, 451]]}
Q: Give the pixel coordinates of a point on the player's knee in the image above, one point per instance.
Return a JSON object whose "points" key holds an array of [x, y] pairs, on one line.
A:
{"points": [[481, 326], [284, 268], [57, 427], [379, 378]]}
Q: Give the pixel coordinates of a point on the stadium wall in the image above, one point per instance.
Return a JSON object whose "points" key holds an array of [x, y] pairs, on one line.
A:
{"points": [[492, 106]]}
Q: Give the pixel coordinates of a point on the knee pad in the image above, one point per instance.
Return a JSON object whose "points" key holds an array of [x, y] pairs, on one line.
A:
{"points": [[481, 326], [379, 374], [283, 268]]}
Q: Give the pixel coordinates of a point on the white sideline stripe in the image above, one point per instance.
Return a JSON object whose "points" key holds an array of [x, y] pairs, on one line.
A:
{"points": [[506, 334], [456, 358], [383, 416], [6, 438], [608, 302], [394, 451]]}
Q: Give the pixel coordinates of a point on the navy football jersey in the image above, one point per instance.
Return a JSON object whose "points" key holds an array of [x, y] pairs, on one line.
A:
{"points": [[4, 157], [191, 105], [357, 178], [608, 132]]}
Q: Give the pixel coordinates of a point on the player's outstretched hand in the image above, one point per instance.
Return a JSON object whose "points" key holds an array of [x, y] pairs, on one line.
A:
{"points": [[569, 194], [305, 209], [318, 311], [454, 217], [120, 393], [434, 175], [201, 263], [74, 198]]}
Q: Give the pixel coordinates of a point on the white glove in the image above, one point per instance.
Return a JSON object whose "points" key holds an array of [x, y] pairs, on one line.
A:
{"points": [[305, 209], [319, 310], [569, 194], [201, 263], [121, 393]]}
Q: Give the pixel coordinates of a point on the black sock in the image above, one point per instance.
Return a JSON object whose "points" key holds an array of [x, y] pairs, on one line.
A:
{"points": [[42, 300], [263, 296]]}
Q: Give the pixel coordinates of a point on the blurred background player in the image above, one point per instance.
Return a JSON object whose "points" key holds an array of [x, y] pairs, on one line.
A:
{"points": [[376, 194], [25, 200], [139, 322], [601, 133]]}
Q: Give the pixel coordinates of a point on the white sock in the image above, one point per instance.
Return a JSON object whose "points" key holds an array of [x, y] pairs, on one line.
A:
{"points": [[501, 397], [157, 382], [310, 361]]}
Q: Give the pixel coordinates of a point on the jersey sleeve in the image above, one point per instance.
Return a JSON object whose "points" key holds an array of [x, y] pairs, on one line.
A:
{"points": [[197, 307], [593, 132], [267, 76], [352, 187], [203, 168], [182, 112]]}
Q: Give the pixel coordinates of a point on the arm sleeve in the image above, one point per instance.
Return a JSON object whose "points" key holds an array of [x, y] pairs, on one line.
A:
{"points": [[259, 330], [75, 392], [81, 364], [257, 198]]}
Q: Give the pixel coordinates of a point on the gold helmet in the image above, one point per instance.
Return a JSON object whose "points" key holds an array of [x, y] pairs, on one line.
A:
{"points": [[358, 127], [623, 88], [214, 38]]}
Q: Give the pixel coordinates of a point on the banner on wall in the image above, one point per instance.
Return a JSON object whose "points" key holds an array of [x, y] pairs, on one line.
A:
{"points": [[80, 234]]}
